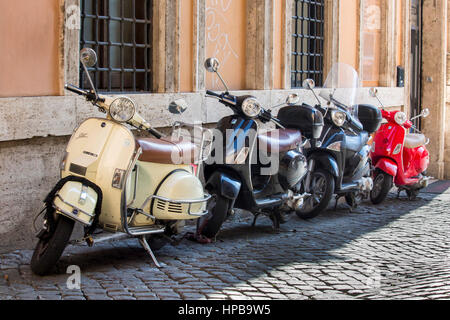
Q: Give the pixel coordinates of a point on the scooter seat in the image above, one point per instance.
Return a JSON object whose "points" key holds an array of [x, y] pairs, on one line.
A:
{"points": [[279, 140], [167, 151], [414, 140]]}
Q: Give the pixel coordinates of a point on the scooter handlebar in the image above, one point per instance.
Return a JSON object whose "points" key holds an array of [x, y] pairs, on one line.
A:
{"points": [[156, 133], [212, 93], [76, 90]]}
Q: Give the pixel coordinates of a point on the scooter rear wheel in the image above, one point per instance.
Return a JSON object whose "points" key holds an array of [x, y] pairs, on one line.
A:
{"points": [[48, 251], [382, 184]]}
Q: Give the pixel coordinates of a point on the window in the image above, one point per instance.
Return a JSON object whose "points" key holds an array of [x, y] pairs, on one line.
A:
{"points": [[307, 42], [120, 32]]}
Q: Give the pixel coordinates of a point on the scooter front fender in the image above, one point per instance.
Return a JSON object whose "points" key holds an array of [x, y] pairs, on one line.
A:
{"points": [[326, 162], [387, 165], [76, 201], [227, 185]]}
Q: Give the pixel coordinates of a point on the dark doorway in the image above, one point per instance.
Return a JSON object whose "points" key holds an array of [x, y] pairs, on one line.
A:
{"points": [[416, 58]]}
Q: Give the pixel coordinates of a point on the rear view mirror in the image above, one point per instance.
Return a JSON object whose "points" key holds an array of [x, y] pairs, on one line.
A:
{"points": [[373, 92], [178, 106], [88, 57], [212, 64], [292, 99], [425, 112], [309, 84]]}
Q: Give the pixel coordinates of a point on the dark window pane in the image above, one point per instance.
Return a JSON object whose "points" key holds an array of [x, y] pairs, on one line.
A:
{"points": [[307, 44], [120, 32]]}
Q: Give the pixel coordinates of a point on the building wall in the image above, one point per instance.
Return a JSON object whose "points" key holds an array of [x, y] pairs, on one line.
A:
{"points": [[226, 40], [29, 48], [35, 130]]}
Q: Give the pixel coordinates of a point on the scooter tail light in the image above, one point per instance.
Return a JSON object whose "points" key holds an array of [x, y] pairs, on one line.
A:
{"points": [[194, 168], [397, 149]]}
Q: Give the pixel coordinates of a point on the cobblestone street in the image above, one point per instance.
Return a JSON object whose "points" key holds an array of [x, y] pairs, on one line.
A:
{"points": [[397, 250]]}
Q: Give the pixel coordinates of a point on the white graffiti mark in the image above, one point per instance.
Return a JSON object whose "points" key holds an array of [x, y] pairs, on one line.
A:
{"points": [[372, 17], [73, 17], [216, 32]]}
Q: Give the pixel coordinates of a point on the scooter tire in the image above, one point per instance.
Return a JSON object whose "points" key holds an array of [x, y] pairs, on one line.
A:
{"points": [[386, 186], [329, 191], [48, 251], [212, 225]]}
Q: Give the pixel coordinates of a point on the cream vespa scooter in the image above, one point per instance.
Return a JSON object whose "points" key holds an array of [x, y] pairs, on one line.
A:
{"points": [[128, 187]]}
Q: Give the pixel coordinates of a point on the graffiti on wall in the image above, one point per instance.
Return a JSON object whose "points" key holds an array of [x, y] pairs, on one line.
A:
{"points": [[218, 35]]}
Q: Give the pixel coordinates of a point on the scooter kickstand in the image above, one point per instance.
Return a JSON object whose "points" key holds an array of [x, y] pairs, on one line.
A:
{"points": [[254, 219], [147, 248]]}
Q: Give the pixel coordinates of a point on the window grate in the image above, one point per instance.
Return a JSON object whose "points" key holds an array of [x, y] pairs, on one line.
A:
{"points": [[120, 32], [308, 42]]}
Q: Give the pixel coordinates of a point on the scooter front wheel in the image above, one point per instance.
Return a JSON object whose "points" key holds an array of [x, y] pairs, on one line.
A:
{"points": [[382, 184], [48, 251], [218, 208], [321, 189]]}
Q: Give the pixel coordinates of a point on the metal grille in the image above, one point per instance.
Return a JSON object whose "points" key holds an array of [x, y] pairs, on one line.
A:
{"points": [[120, 32], [308, 42]]}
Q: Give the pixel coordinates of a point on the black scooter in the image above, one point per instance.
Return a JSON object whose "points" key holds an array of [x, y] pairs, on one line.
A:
{"points": [[339, 160], [258, 172]]}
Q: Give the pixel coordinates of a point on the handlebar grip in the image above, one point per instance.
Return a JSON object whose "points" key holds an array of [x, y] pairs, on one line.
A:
{"points": [[212, 93], [156, 133], [75, 89]]}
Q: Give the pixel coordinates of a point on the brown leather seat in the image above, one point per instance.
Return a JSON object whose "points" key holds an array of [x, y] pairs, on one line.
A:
{"points": [[167, 152], [279, 140]]}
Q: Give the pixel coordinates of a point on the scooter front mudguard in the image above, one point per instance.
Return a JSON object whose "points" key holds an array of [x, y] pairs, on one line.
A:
{"points": [[387, 165], [326, 162], [225, 184], [76, 201]]}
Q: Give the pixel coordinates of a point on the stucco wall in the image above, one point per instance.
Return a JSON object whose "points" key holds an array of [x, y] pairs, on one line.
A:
{"points": [[29, 48]]}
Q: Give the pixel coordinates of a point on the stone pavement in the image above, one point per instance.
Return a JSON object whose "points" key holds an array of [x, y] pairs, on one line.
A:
{"points": [[396, 250]]}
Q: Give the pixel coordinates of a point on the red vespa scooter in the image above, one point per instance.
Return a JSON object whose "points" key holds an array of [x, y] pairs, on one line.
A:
{"points": [[398, 156]]}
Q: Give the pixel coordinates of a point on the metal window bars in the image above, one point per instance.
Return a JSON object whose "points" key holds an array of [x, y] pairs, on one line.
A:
{"points": [[120, 32], [307, 42]]}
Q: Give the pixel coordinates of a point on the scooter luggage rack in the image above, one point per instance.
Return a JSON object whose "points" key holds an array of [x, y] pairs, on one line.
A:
{"points": [[203, 143]]}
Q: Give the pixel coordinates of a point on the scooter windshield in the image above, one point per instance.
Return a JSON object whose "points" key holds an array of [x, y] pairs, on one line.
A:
{"points": [[341, 86]]}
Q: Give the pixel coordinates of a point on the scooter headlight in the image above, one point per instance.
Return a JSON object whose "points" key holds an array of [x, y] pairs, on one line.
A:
{"points": [[122, 109], [251, 107], [338, 117], [400, 118]]}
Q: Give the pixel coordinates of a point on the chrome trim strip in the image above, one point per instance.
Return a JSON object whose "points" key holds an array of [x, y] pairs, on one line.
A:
{"points": [[69, 204], [71, 215], [187, 201]]}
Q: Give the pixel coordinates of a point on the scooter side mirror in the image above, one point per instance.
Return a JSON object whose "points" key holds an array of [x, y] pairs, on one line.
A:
{"points": [[373, 92], [212, 65], [425, 112], [309, 84], [292, 99], [178, 106], [88, 57]]}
